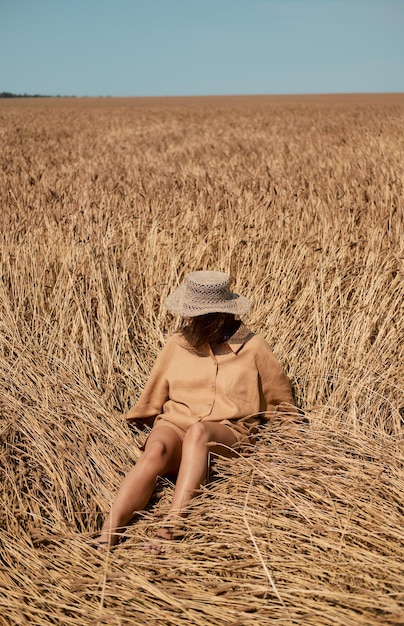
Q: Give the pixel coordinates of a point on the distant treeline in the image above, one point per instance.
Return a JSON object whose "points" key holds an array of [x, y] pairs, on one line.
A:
{"points": [[7, 94]]}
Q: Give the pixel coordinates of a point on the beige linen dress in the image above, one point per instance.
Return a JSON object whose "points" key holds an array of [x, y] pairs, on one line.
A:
{"points": [[240, 386]]}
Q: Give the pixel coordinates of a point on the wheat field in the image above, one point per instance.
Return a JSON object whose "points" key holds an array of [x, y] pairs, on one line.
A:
{"points": [[105, 204]]}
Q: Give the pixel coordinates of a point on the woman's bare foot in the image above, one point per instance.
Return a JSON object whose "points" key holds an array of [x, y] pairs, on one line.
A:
{"points": [[101, 546], [162, 536], [106, 541]]}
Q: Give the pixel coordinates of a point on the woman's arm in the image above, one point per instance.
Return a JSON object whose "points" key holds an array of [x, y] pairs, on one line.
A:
{"points": [[156, 390], [276, 389]]}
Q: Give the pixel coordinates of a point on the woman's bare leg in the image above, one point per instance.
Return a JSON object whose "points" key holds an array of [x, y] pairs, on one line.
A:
{"points": [[162, 455], [194, 464]]}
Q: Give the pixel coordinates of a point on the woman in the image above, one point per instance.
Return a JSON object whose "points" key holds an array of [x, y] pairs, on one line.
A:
{"points": [[210, 387]]}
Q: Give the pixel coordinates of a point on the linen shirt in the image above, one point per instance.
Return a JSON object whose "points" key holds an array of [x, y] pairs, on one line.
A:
{"points": [[242, 385]]}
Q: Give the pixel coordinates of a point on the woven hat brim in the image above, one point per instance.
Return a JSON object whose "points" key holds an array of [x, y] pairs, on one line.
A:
{"points": [[177, 304]]}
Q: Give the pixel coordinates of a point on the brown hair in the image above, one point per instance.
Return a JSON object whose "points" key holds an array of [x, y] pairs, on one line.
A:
{"points": [[209, 328]]}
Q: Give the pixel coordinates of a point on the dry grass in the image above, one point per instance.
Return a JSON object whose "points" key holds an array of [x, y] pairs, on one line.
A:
{"points": [[104, 205]]}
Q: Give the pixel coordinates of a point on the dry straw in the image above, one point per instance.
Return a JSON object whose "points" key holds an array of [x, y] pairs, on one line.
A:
{"points": [[105, 205]]}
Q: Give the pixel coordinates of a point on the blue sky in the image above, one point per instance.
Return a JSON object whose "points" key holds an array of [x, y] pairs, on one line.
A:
{"points": [[201, 47]]}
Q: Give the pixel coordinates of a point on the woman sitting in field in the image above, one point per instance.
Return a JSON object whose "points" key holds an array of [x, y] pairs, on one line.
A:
{"points": [[210, 387]]}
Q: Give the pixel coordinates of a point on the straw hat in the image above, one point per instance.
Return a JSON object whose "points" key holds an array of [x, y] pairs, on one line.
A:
{"points": [[206, 292]]}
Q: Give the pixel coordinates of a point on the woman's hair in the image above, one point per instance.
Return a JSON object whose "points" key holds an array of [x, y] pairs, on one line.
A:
{"points": [[209, 328]]}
